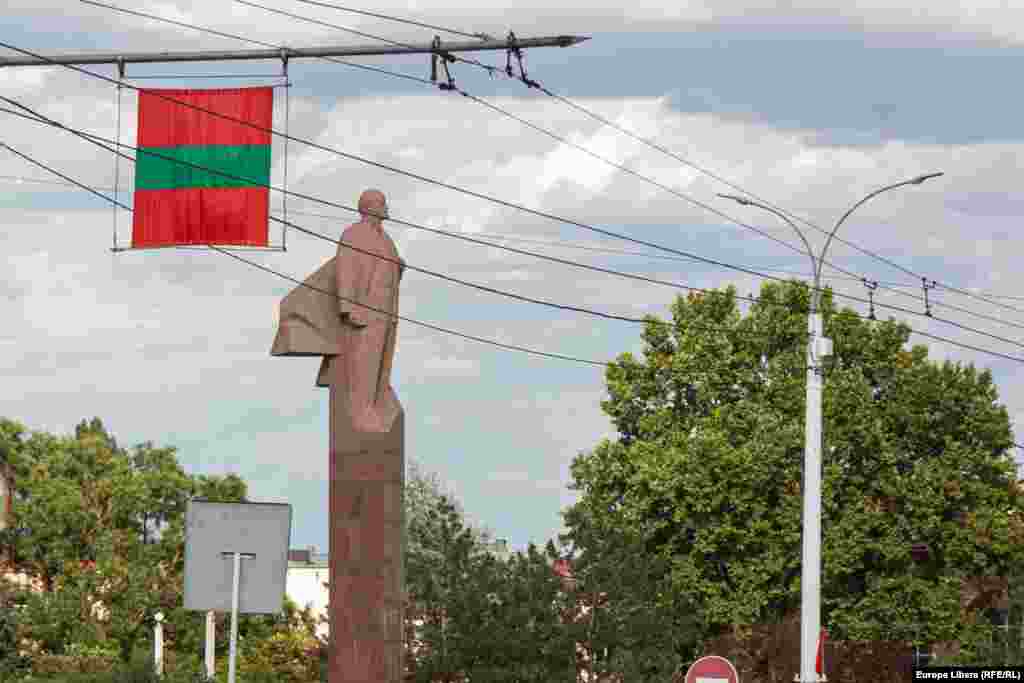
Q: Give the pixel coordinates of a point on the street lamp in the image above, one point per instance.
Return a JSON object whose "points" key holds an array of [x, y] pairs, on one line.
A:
{"points": [[818, 346]]}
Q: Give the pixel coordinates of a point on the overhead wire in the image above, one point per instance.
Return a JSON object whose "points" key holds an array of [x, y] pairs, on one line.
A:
{"points": [[697, 167], [490, 342], [99, 141], [559, 138], [621, 167], [791, 214], [409, 174], [561, 244], [232, 36], [482, 102], [485, 197], [770, 269], [848, 273], [483, 340], [564, 244], [482, 36], [37, 117]]}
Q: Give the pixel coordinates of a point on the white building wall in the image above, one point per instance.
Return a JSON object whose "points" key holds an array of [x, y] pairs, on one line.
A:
{"points": [[305, 586]]}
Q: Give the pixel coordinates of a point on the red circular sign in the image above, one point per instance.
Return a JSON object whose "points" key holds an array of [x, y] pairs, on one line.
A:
{"points": [[712, 669]]}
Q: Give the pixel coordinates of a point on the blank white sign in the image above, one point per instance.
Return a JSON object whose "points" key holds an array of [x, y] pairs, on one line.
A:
{"points": [[707, 679], [261, 529]]}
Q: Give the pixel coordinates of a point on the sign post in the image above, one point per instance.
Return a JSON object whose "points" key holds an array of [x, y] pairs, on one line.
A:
{"points": [[256, 532], [158, 644], [236, 580], [211, 632], [712, 669]]}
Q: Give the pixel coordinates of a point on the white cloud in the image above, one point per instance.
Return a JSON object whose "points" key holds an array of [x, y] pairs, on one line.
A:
{"points": [[139, 337]]}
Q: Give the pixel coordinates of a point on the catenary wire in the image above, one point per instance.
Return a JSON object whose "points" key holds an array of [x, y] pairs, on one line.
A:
{"points": [[785, 270], [659, 148], [42, 119], [410, 320], [482, 36], [482, 102], [849, 274], [490, 342], [99, 141], [563, 140], [451, 57], [232, 36], [561, 244], [797, 217], [696, 167], [415, 176]]}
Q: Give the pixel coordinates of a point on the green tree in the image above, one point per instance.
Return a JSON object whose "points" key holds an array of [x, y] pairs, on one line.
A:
{"points": [[630, 619], [439, 569], [84, 499], [707, 466], [13, 664], [479, 618]]}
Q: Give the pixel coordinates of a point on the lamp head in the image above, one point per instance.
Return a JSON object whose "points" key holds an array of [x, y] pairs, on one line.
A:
{"points": [[921, 178], [735, 198]]}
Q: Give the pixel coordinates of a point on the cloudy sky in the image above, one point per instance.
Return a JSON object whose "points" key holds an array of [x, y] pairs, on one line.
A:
{"points": [[809, 105]]}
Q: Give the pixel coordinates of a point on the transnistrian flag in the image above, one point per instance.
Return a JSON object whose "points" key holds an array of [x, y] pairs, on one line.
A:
{"points": [[181, 203]]}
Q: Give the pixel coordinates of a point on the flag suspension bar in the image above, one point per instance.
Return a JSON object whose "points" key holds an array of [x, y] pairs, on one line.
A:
{"points": [[290, 53], [286, 84]]}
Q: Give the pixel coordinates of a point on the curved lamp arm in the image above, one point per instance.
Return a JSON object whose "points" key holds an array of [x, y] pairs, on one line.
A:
{"points": [[815, 265], [913, 181]]}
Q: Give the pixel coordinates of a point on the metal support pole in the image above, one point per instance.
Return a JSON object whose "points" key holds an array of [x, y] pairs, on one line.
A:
{"points": [[211, 635], [818, 346], [285, 53], [235, 584], [234, 618], [158, 644], [810, 578]]}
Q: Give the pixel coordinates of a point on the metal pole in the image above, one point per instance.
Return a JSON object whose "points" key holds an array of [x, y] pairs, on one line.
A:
{"points": [[234, 618], [158, 644], [818, 346], [211, 635], [235, 589], [289, 53]]}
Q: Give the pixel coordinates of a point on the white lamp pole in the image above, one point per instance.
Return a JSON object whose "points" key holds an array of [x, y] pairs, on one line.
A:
{"points": [[158, 644], [818, 346]]}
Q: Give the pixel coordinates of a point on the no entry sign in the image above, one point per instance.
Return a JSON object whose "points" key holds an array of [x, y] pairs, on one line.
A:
{"points": [[712, 669]]}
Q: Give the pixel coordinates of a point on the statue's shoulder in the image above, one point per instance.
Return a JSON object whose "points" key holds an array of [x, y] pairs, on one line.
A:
{"points": [[351, 230]]}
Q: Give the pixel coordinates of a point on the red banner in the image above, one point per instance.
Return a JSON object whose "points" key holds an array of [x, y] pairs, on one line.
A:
{"points": [[201, 178]]}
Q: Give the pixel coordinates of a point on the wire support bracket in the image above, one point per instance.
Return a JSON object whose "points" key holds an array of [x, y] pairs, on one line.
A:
{"points": [[438, 53], [515, 51], [926, 285], [872, 285]]}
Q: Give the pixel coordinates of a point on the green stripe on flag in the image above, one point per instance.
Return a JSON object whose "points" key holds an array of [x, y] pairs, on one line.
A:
{"points": [[243, 166]]}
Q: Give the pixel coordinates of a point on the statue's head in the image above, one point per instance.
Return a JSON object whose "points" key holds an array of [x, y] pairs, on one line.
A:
{"points": [[373, 206]]}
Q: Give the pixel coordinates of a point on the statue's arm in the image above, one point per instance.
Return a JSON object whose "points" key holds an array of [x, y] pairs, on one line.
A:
{"points": [[350, 271]]}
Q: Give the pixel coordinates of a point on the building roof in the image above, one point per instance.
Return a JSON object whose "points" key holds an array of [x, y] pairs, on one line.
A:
{"points": [[306, 557]]}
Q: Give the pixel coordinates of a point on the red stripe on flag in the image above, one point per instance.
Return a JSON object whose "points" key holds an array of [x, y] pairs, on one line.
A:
{"points": [[235, 216], [163, 123]]}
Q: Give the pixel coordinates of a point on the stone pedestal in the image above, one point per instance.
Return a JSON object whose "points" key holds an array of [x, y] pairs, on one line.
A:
{"points": [[366, 550]]}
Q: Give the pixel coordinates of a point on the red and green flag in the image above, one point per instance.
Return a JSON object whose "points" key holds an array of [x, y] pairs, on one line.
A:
{"points": [[183, 203]]}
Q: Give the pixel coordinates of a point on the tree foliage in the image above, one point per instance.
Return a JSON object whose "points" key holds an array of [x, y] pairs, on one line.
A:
{"points": [[101, 528], [707, 466], [476, 617]]}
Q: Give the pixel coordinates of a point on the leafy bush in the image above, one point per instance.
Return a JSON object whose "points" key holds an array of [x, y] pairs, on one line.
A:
{"points": [[13, 664], [287, 654]]}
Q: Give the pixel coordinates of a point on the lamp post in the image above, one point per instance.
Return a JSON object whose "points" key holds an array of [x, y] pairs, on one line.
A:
{"points": [[818, 346]]}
